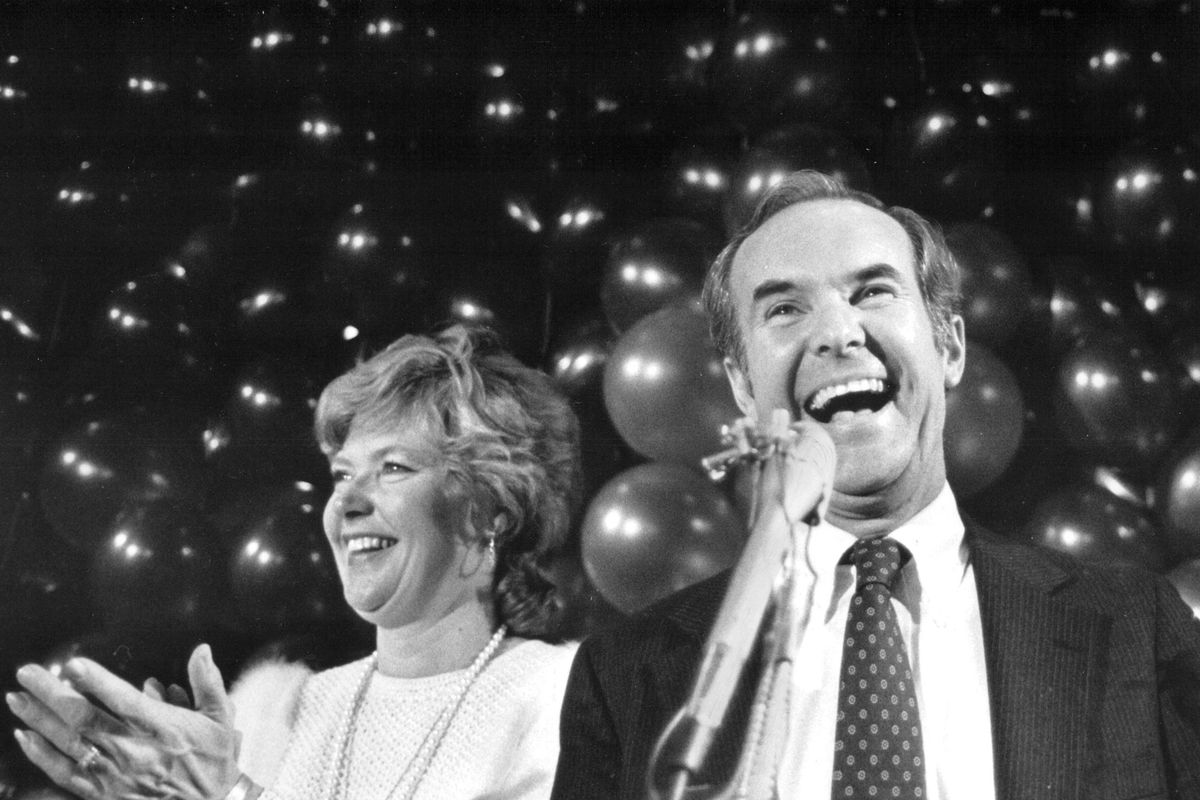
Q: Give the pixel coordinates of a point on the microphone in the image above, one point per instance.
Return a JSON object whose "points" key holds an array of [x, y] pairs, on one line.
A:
{"points": [[795, 487]]}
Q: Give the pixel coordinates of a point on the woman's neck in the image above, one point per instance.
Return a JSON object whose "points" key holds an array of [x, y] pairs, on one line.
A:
{"points": [[447, 644]]}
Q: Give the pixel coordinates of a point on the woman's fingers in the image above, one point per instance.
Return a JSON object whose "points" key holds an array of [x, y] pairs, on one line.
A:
{"points": [[126, 702], [71, 707], [62, 770], [42, 719], [208, 686]]}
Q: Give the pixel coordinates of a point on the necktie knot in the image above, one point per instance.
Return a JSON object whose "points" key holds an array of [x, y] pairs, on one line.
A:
{"points": [[877, 560]]}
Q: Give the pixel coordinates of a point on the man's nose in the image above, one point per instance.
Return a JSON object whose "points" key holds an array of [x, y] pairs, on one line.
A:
{"points": [[836, 328]]}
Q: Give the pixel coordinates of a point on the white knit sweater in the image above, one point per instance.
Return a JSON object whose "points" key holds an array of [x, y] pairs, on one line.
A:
{"points": [[502, 744]]}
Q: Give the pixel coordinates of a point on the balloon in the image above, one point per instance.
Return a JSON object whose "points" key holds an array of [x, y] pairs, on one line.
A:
{"points": [[665, 388], [147, 338], [942, 158], [1178, 497], [154, 570], [653, 265], [265, 428], [42, 582], [996, 284], [282, 576], [1121, 88], [577, 365], [1085, 305], [1116, 401], [1184, 350], [1186, 578], [104, 463], [782, 151], [1170, 304], [376, 278], [576, 250], [985, 417], [1149, 199], [1092, 524], [655, 529], [773, 68], [699, 175]]}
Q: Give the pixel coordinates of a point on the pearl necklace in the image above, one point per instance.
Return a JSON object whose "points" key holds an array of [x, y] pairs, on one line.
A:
{"points": [[406, 785]]}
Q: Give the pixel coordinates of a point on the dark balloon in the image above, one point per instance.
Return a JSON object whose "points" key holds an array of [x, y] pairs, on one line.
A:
{"points": [[282, 576], [942, 157], [265, 428], [1116, 401], [1092, 524], [665, 387], [376, 278], [1149, 200], [996, 283], [99, 466], [1178, 497], [577, 246], [782, 151], [1085, 304], [698, 178], [1186, 578], [1121, 86], [655, 529], [148, 337], [577, 356], [985, 418], [154, 569], [576, 363], [653, 265]]}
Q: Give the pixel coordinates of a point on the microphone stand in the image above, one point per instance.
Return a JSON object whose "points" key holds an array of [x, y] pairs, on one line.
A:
{"points": [[764, 577]]}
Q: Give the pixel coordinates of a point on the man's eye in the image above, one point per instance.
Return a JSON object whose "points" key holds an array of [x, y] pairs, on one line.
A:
{"points": [[339, 475], [782, 310], [876, 290]]}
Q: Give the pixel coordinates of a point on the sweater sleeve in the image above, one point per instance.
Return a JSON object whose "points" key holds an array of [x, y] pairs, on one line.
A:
{"points": [[534, 755]]}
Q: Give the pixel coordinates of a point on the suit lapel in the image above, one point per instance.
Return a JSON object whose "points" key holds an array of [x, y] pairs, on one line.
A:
{"points": [[1043, 654]]}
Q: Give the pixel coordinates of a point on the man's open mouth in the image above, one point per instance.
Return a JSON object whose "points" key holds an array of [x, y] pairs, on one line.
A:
{"points": [[856, 396], [369, 544]]}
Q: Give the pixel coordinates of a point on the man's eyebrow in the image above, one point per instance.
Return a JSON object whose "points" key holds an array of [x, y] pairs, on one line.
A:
{"points": [[773, 287], [880, 270]]}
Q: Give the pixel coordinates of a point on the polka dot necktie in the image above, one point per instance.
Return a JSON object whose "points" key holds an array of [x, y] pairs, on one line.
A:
{"points": [[877, 750]]}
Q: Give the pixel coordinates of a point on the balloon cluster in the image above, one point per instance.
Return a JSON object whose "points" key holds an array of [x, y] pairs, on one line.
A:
{"points": [[208, 215]]}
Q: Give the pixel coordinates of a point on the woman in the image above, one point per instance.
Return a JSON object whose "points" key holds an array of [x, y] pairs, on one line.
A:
{"points": [[455, 472]]}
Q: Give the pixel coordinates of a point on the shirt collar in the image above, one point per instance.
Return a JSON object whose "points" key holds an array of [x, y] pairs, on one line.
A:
{"points": [[934, 536]]}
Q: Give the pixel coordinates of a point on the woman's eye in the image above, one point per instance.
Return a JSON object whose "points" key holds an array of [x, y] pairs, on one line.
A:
{"points": [[396, 468], [339, 475]]}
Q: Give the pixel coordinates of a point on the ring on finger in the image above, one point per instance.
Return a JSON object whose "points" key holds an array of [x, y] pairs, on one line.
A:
{"points": [[90, 759]]}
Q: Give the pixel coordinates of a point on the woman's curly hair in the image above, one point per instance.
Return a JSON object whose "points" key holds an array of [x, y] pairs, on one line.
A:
{"points": [[509, 439]]}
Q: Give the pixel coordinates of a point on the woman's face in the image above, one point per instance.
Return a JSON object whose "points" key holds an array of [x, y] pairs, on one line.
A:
{"points": [[405, 551]]}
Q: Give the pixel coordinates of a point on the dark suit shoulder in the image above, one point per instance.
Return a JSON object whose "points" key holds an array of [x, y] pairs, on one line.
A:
{"points": [[1110, 588], [685, 615]]}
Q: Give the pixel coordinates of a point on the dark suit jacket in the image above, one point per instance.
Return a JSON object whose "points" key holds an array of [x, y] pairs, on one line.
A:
{"points": [[1093, 673]]}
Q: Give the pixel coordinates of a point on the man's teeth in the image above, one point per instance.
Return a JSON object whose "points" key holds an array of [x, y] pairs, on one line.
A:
{"points": [[823, 396], [364, 543]]}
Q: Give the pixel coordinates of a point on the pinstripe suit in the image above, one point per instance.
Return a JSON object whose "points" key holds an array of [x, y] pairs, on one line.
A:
{"points": [[1093, 674]]}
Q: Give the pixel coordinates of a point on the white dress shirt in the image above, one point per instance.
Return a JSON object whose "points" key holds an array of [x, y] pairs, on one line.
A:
{"points": [[937, 608]]}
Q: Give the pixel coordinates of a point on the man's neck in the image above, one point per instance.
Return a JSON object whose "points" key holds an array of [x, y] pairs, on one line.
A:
{"points": [[864, 516]]}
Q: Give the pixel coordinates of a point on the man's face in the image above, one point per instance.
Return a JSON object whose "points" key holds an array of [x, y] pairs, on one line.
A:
{"points": [[836, 331]]}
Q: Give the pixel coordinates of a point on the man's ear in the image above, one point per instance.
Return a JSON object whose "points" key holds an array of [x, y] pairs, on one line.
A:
{"points": [[740, 385], [954, 355]]}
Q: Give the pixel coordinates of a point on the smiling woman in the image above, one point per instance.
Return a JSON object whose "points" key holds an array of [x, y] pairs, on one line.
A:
{"points": [[455, 474]]}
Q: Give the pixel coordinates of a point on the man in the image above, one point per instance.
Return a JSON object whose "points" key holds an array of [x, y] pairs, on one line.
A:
{"points": [[1032, 676]]}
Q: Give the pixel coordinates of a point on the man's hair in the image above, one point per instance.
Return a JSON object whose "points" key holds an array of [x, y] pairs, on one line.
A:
{"points": [[509, 441], [938, 274]]}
